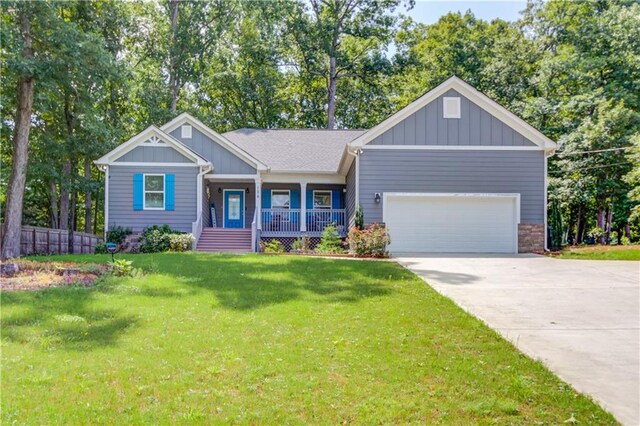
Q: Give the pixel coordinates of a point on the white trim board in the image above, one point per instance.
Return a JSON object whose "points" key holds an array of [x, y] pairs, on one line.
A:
{"points": [[454, 147], [186, 118], [475, 96], [222, 177], [145, 164], [302, 177]]}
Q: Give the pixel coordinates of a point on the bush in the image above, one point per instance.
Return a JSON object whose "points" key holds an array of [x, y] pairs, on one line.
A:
{"points": [[330, 241], [273, 246], [156, 239], [624, 240], [101, 248], [371, 241], [181, 242], [359, 218], [301, 244], [117, 235], [122, 268], [596, 233]]}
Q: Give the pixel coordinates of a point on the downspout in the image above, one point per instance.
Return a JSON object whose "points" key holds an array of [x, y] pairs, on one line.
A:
{"points": [[356, 155], [198, 223]]}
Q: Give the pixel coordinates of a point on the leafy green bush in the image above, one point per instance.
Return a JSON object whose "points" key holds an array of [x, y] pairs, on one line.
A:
{"points": [[301, 244], [371, 241], [156, 239], [117, 235], [181, 242], [624, 240], [330, 242], [273, 246], [596, 233], [122, 268], [101, 248]]}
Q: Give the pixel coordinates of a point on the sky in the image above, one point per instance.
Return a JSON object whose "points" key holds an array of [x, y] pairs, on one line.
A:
{"points": [[428, 11]]}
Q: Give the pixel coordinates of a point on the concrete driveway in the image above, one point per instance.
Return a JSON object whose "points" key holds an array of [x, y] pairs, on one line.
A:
{"points": [[580, 318]]}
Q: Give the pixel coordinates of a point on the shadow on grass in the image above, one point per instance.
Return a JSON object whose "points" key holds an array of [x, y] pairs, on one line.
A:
{"points": [[62, 319]]}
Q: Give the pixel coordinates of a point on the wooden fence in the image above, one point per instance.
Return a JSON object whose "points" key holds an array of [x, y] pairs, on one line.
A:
{"points": [[37, 240]]}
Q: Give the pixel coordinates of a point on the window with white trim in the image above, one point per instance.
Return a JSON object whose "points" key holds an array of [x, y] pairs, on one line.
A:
{"points": [[451, 107], [280, 199], [154, 192], [321, 199]]}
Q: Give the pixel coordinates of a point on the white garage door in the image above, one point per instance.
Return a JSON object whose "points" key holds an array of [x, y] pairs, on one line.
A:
{"points": [[463, 223]]}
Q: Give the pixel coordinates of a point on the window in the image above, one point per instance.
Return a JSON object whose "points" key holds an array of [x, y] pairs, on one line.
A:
{"points": [[451, 107], [185, 131], [154, 192], [321, 199], [280, 199]]}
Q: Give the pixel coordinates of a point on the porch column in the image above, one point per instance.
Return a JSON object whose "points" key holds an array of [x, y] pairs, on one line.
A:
{"points": [[259, 203], [303, 206]]}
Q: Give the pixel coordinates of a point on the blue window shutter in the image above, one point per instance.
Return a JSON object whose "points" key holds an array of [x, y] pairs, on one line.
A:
{"points": [[138, 191], [309, 199], [295, 198], [170, 192], [336, 199], [266, 198]]}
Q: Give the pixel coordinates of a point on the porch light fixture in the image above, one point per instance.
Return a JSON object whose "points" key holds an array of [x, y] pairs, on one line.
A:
{"points": [[219, 190], [376, 198], [247, 191]]}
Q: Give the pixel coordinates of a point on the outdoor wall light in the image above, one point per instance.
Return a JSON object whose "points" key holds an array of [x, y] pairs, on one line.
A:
{"points": [[247, 191], [376, 198], [219, 190]]}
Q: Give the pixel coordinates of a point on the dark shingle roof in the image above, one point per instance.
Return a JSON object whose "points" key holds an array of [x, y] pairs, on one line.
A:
{"points": [[295, 150]]}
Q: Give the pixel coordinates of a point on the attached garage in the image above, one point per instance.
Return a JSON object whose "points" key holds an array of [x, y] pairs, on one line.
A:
{"points": [[452, 223]]}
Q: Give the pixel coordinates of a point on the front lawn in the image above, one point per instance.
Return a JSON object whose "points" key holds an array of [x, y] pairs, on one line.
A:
{"points": [[600, 252], [211, 338]]}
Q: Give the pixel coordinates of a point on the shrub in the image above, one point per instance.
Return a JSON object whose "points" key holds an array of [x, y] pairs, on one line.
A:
{"points": [[180, 242], [624, 240], [156, 238], [117, 234], [372, 240], [301, 244], [122, 268], [330, 242], [273, 246], [359, 218], [101, 248], [596, 233]]}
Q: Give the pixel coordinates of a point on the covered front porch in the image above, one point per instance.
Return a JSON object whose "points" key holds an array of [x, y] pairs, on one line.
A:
{"points": [[275, 207]]}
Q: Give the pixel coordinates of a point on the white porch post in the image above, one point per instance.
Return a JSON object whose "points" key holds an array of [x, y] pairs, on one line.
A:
{"points": [[259, 203], [303, 206]]}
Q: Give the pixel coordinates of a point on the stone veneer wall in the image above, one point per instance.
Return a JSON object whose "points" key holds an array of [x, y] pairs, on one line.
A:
{"points": [[530, 238]]}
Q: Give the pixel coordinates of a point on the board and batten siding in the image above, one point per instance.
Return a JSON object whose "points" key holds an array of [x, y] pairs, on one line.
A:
{"points": [[121, 211], [150, 154], [223, 160], [475, 126], [350, 195], [453, 171]]}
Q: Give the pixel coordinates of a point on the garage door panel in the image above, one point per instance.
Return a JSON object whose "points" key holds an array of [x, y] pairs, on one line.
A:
{"points": [[451, 224]]}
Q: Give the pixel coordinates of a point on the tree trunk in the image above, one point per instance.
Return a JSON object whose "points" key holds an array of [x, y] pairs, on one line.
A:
{"points": [[73, 224], [64, 194], [53, 204], [331, 94], [581, 226], [18, 178], [173, 60], [87, 198], [608, 224], [95, 214]]}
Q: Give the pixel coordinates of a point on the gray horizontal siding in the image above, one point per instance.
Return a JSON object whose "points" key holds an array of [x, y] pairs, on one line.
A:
{"points": [[474, 127], [223, 160], [149, 154], [121, 211], [453, 171]]}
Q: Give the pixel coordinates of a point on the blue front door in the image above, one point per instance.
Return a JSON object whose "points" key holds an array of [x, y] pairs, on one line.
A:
{"points": [[234, 209]]}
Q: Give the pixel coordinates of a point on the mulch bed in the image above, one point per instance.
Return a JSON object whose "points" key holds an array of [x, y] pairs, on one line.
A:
{"points": [[42, 275]]}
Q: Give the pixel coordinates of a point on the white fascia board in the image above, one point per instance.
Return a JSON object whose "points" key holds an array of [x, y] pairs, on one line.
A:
{"points": [[453, 147], [480, 99], [329, 178], [213, 135], [139, 139]]}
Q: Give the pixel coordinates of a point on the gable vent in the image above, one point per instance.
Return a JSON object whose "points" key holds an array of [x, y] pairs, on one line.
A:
{"points": [[451, 107], [185, 131]]}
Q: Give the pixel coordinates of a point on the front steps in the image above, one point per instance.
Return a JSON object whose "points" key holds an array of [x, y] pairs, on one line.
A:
{"points": [[225, 240]]}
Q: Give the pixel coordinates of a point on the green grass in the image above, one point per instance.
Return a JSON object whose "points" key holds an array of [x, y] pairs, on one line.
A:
{"points": [[258, 339], [602, 253]]}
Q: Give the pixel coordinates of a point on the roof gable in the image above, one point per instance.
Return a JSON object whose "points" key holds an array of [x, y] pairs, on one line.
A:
{"points": [[152, 136], [477, 98], [216, 137]]}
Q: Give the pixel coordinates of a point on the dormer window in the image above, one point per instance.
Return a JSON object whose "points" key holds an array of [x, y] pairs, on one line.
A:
{"points": [[451, 107]]}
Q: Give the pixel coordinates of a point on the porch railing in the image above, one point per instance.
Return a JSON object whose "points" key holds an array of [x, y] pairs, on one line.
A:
{"points": [[287, 222]]}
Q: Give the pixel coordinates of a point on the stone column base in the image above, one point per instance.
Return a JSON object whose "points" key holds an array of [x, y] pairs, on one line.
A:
{"points": [[530, 237]]}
